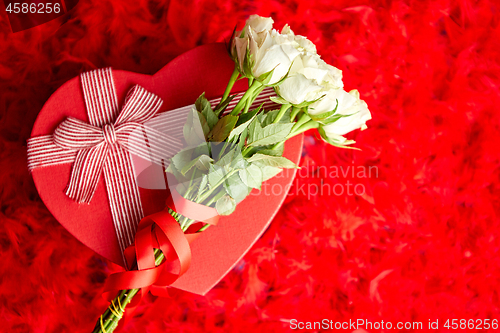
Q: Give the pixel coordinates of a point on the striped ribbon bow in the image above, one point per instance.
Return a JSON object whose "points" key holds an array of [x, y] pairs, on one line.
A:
{"points": [[104, 145]]}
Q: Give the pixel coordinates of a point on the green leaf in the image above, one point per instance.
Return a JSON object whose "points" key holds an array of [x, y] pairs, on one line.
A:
{"points": [[266, 150], [203, 106], [177, 174], [193, 128], [252, 176], [307, 103], [236, 188], [274, 161], [220, 108], [182, 158], [223, 146], [238, 130], [224, 126], [215, 175], [248, 116], [268, 172], [334, 118], [324, 115], [204, 124], [242, 140], [225, 205], [203, 148], [268, 135], [266, 77], [271, 116], [233, 159], [327, 118], [201, 162]]}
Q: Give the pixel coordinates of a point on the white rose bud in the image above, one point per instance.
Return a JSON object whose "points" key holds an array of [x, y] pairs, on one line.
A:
{"points": [[259, 24], [269, 50]]}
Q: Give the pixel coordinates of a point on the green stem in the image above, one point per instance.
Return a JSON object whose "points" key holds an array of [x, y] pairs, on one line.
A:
{"points": [[304, 127], [283, 109], [190, 187], [109, 317], [250, 82], [248, 94], [251, 100], [247, 151], [277, 145], [205, 227], [303, 124], [211, 201], [205, 195], [229, 87], [303, 118], [295, 112]]}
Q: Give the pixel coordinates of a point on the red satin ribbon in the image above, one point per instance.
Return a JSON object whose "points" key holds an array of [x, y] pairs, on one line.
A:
{"points": [[160, 231]]}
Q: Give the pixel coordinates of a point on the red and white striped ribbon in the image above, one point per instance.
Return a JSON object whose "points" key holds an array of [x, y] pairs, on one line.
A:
{"points": [[105, 144]]}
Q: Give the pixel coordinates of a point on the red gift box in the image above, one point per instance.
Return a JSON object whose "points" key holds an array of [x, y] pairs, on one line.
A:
{"points": [[204, 69]]}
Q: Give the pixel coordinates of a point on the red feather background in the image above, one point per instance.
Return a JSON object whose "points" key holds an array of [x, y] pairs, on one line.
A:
{"points": [[419, 240]]}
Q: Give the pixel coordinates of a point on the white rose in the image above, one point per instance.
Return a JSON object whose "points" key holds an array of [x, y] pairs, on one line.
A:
{"points": [[304, 83], [304, 43], [297, 89], [309, 78], [349, 104], [333, 78], [329, 101], [272, 55]]}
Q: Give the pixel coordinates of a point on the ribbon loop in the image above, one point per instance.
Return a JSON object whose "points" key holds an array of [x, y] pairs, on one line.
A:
{"points": [[140, 106], [74, 134], [84, 177], [159, 230]]}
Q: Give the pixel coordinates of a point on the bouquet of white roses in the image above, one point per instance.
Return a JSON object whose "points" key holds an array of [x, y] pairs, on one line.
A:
{"points": [[233, 147]]}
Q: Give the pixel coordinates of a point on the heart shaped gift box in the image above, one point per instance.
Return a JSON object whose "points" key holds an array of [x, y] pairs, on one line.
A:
{"points": [[216, 251]]}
